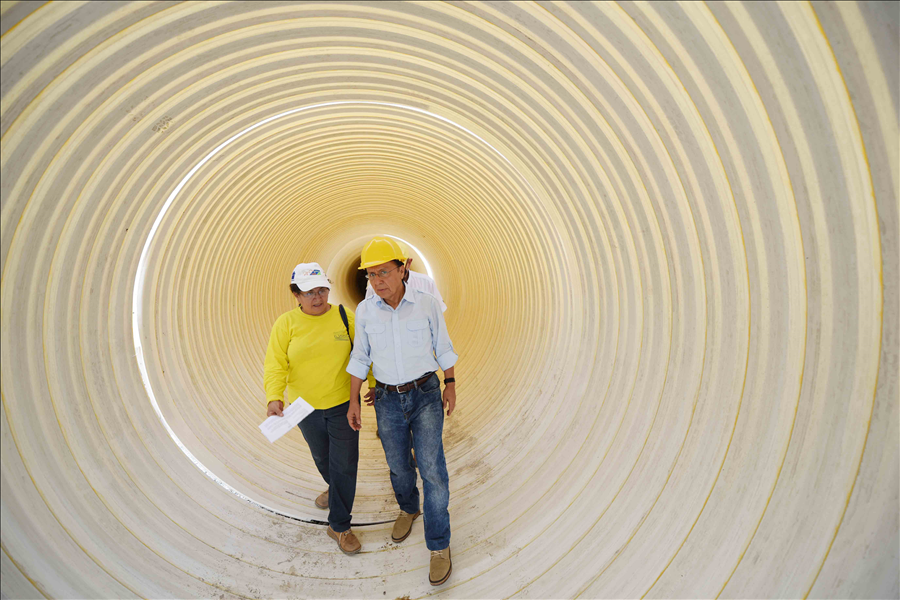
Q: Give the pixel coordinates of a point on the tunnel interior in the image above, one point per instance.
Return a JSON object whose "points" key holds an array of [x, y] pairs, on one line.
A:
{"points": [[357, 282], [666, 234]]}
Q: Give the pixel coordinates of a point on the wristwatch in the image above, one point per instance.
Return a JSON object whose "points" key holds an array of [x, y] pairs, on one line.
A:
{"points": [[450, 380]]}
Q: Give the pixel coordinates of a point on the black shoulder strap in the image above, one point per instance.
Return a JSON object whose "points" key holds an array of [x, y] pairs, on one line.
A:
{"points": [[346, 323]]}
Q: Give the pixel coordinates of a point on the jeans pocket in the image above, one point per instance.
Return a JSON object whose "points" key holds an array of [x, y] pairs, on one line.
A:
{"points": [[432, 385]]}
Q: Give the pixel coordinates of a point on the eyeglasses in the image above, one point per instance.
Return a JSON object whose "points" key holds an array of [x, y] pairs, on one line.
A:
{"points": [[322, 291], [381, 274]]}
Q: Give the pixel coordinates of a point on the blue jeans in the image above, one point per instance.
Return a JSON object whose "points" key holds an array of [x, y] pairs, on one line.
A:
{"points": [[421, 412], [334, 446]]}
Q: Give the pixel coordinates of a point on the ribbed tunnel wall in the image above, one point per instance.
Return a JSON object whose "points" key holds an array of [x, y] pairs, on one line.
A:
{"points": [[667, 234]]}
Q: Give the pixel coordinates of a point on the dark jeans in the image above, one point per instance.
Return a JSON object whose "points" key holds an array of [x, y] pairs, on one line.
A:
{"points": [[334, 446], [421, 412]]}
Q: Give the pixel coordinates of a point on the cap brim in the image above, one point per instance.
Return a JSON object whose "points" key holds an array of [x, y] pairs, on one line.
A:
{"points": [[313, 284]]}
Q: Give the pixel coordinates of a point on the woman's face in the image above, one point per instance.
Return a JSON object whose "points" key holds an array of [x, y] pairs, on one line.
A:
{"points": [[314, 302]]}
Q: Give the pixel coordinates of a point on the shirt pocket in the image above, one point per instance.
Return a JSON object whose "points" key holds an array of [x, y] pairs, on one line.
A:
{"points": [[417, 332], [377, 336]]}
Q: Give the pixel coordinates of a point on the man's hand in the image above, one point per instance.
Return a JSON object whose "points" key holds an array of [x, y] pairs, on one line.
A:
{"points": [[274, 408], [370, 396], [450, 398], [353, 416]]}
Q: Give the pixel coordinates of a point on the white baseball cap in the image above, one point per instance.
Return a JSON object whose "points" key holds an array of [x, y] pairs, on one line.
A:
{"points": [[308, 276]]}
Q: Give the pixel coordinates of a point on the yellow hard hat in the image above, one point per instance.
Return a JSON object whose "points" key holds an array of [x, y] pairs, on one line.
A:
{"points": [[403, 250], [379, 251]]}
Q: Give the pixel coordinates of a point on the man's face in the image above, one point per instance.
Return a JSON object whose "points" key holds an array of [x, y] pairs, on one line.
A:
{"points": [[388, 278]]}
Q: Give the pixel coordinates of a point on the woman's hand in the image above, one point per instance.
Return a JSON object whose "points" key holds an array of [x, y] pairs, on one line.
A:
{"points": [[450, 398], [370, 396], [354, 416], [274, 408]]}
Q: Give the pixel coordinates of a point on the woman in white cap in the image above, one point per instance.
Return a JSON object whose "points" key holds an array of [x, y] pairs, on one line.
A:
{"points": [[307, 355]]}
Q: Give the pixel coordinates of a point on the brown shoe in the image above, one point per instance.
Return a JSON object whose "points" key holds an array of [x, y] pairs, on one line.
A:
{"points": [[322, 500], [346, 541], [441, 566], [403, 526]]}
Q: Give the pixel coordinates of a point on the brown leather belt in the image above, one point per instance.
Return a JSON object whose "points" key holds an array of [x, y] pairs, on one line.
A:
{"points": [[405, 387]]}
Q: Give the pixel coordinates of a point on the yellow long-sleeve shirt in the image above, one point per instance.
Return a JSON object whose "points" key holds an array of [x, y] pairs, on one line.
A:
{"points": [[307, 355]]}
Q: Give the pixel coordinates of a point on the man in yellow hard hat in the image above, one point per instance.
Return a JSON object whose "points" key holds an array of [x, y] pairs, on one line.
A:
{"points": [[401, 334], [419, 281]]}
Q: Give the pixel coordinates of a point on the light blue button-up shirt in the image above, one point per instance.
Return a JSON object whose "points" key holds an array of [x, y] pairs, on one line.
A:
{"points": [[401, 344]]}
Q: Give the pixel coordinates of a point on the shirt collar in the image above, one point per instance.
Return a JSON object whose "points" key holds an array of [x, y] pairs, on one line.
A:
{"points": [[409, 294]]}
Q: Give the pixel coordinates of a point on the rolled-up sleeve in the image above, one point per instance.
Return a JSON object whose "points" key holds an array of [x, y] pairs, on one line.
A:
{"points": [[360, 357], [442, 346]]}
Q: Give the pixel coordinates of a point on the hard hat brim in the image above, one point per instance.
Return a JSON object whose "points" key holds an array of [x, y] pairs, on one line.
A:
{"points": [[364, 266]]}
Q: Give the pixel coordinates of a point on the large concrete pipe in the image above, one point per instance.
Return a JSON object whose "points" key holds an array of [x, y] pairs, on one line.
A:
{"points": [[667, 235]]}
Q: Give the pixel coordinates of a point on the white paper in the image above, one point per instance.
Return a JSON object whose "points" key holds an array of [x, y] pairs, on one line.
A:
{"points": [[274, 427]]}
